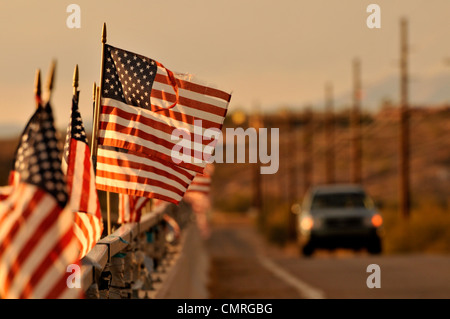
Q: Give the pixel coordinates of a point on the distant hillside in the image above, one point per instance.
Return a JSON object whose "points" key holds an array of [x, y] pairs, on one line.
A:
{"points": [[8, 130], [7, 147], [430, 160], [424, 90]]}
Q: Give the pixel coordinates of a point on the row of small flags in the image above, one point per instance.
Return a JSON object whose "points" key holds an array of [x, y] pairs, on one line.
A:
{"points": [[50, 214]]}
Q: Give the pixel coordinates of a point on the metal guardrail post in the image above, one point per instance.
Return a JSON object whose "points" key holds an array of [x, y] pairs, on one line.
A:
{"points": [[122, 265], [117, 281]]}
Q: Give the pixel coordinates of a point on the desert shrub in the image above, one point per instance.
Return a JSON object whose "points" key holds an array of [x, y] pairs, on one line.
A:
{"points": [[426, 230], [276, 223], [238, 202]]}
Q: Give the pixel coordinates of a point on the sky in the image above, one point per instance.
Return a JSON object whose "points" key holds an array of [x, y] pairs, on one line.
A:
{"points": [[269, 54]]}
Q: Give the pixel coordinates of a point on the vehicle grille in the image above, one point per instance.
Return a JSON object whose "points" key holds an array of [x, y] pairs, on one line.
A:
{"points": [[344, 222]]}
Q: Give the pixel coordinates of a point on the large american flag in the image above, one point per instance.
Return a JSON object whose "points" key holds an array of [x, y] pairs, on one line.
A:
{"points": [[130, 208], [142, 104], [37, 241], [83, 199]]}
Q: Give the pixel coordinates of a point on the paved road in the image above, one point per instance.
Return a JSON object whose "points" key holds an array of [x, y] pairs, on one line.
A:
{"points": [[244, 266]]}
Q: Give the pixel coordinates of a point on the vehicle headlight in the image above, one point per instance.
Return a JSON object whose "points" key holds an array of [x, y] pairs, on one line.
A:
{"points": [[307, 223]]}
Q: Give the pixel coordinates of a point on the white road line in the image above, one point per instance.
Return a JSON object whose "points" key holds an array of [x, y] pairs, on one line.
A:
{"points": [[303, 288]]}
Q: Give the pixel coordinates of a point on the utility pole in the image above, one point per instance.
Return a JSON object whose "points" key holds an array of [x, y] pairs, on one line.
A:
{"points": [[256, 122], [329, 132], [293, 144], [307, 150], [356, 124], [404, 121], [280, 174], [292, 158]]}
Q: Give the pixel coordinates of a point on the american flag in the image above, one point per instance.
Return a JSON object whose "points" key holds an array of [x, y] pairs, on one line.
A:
{"points": [[83, 199], [143, 103], [37, 241], [130, 208], [121, 171], [202, 181], [5, 191], [174, 228], [198, 196]]}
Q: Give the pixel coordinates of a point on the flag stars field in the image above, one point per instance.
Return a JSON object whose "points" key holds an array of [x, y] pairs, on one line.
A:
{"points": [[38, 159]]}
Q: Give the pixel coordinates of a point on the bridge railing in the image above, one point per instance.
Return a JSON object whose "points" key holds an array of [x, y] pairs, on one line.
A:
{"points": [[132, 261]]}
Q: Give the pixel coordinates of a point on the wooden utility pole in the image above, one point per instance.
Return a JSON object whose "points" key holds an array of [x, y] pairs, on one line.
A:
{"points": [[256, 123], [307, 150], [292, 148], [283, 169], [293, 145], [356, 124], [329, 131], [404, 121]]}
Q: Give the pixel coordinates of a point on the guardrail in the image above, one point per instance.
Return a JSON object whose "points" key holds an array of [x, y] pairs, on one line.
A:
{"points": [[132, 261]]}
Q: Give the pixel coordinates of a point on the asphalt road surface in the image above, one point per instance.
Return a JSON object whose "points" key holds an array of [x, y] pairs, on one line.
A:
{"points": [[244, 266]]}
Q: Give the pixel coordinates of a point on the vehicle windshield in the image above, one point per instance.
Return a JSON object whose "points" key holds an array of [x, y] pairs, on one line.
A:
{"points": [[340, 200]]}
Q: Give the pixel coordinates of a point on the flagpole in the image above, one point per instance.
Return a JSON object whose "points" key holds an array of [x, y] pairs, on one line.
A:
{"points": [[94, 144], [97, 101], [94, 91], [37, 88], [75, 82], [108, 212], [51, 79]]}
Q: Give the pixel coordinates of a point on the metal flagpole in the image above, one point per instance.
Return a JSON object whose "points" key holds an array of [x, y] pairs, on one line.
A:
{"points": [[94, 144], [97, 102], [76, 93], [51, 79], [37, 88], [94, 91]]}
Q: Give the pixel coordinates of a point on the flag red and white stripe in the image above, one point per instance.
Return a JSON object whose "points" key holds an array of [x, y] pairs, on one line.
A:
{"points": [[198, 196], [37, 242], [130, 208], [127, 173], [83, 198], [5, 191], [173, 225], [202, 181]]}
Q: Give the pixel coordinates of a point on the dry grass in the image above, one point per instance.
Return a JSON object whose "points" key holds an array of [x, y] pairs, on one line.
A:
{"points": [[426, 230]]}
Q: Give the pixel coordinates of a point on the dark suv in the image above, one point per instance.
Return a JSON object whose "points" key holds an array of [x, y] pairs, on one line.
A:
{"points": [[335, 216]]}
